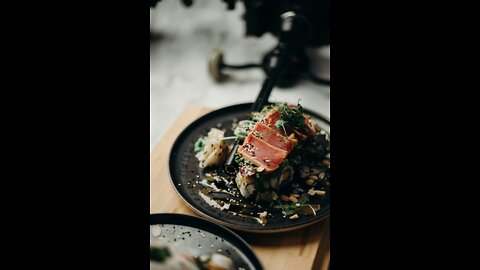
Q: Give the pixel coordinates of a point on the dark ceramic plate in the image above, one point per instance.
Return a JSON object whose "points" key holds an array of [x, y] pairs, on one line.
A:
{"points": [[197, 236], [184, 172]]}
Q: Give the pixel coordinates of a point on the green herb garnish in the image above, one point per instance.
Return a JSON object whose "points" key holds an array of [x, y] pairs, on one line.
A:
{"points": [[313, 149], [202, 264], [294, 117], [291, 208], [238, 159], [303, 199], [199, 145], [159, 254]]}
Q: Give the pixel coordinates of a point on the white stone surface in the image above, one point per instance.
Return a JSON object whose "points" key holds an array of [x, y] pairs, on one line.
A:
{"points": [[178, 63]]}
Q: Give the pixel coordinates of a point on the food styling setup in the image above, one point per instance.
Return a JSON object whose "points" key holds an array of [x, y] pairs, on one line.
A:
{"points": [[247, 186]]}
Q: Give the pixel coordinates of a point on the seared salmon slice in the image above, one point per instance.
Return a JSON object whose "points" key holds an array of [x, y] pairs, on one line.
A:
{"points": [[262, 154], [273, 137]]}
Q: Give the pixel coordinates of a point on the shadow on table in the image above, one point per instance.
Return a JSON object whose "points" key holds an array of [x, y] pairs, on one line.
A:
{"points": [[299, 237]]}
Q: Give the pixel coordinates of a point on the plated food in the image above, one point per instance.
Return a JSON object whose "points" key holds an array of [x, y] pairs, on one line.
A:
{"points": [[164, 257], [190, 243], [282, 165], [252, 199]]}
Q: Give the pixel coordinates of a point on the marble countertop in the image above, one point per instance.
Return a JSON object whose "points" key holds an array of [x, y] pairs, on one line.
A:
{"points": [[178, 63]]}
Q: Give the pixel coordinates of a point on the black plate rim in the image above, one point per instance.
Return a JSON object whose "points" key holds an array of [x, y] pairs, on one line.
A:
{"points": [[206, 225], [226, 224]]}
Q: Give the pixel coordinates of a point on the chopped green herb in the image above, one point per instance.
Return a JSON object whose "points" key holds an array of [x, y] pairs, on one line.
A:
{"points": [[294, 117], [313, 149], [199, 145], [201, 264], [159, 254], [303, 199], [238, 159], [291, 208]]}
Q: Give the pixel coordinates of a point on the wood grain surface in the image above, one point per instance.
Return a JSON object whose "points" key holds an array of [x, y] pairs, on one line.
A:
{"points": [[307, 248]]}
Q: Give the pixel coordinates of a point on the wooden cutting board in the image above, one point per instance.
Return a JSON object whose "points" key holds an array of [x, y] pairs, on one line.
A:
{"points": [[302, 249]]}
